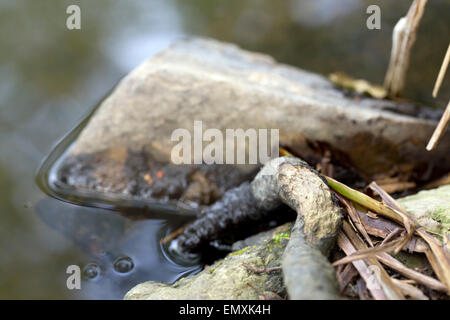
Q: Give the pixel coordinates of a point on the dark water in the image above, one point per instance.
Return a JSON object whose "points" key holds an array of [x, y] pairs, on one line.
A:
{"points": [[50, 78], [116, 252]]}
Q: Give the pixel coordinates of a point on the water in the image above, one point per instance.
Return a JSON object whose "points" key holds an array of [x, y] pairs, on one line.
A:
{"points": [[116, 252], [50, 79]]}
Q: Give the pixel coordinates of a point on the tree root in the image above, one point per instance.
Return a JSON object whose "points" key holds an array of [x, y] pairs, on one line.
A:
{"points": [[307, 272]]}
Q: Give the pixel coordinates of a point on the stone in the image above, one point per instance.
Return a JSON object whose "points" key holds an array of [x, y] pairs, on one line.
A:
{"points": [[125, 147], [431, 208], [232, 277]]}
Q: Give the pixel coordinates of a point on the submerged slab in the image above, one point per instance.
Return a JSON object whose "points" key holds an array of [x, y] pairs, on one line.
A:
{"points": [[125, 147]]}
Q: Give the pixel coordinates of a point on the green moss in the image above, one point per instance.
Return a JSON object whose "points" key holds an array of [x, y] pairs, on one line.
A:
{"points": [[431, 208], [237, 253], [279, 236], [275, 241]]}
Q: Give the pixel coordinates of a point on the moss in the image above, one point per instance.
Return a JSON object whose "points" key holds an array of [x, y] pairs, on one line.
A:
{"points": [[275, 241], [431, 208], [237, 253], [229, 278], [277, 238], [442, 215]]}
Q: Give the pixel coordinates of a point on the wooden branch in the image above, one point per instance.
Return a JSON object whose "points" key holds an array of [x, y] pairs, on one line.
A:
{"points": [[409, 290], [390, 290], [442, 72], [345, 244], [440, 129], [403, 38], [411, 274]]}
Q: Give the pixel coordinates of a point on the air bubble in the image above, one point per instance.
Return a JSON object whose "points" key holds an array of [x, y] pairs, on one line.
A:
{"points": [[91, 271], [123, 265]]}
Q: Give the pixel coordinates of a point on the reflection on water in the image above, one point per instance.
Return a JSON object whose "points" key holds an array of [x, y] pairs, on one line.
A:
{"points": [[51, 77], [118, 253]]}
